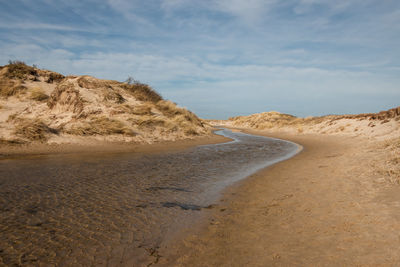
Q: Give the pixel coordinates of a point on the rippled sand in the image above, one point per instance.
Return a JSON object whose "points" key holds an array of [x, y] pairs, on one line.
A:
{"points": [[116, 209]]}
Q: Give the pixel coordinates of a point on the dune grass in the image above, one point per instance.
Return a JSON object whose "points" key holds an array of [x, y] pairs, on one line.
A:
{"points": [[11, 141], [114, 97], [19, 70], [35, 130], [100, 126], [392, 168], [38, 94], [142, 92], [67, 95]]}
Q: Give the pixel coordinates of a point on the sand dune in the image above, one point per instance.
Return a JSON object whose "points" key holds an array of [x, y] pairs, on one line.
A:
{"points": [[40, 106], [382, 125]]}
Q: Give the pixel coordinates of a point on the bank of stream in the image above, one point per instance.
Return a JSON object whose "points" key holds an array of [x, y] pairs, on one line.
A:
{"points": [[116, 209]]}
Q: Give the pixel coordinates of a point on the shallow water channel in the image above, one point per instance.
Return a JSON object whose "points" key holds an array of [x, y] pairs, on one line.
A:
{"points": [[113, 209]]}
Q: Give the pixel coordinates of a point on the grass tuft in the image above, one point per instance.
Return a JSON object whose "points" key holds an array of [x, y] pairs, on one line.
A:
{"points": [[101, 126], [38, 94], [35, 130], [67, 96], [10, 88], [142, 92]]}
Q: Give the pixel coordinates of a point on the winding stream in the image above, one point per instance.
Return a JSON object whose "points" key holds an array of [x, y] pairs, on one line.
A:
{"points": [[72, 210]]}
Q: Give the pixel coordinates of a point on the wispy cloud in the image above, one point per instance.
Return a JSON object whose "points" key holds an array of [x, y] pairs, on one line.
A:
{"points": [[296, 56]]}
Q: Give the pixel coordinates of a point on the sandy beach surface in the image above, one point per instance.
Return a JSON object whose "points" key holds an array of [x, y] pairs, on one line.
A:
{"points": [[98, 147], [327, 206], [118, 209]]}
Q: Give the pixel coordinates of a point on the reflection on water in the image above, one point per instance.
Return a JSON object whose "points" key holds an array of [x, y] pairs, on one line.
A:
{"points": [[116, 209]]}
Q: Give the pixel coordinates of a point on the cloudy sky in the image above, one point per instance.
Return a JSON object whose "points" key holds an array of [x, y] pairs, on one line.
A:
{"points": [[221, 58]]}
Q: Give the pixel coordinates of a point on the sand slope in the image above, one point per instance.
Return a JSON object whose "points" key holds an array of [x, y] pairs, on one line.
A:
{"points": [[382, 125], [43, 106]]}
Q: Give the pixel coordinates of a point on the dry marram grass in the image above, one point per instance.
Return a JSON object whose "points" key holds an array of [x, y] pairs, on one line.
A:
{"points": [[35, 130], [100, 126], [38, 94], [142, 92], [391, 167], [10, 88], [66, 95]]}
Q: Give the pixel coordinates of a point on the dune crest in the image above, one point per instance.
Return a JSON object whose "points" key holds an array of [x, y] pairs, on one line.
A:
{"points": [[382, 125]]}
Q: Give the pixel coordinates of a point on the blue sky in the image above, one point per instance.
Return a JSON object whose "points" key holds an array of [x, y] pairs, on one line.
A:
{"points": [[221, 58]]}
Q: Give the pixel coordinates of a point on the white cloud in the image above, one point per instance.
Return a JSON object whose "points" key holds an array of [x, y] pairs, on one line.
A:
{"points": [[252, 11]]}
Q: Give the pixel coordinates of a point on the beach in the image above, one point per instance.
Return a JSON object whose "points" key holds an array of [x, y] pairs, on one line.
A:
{"points": [[109, 208], [327, 206]]}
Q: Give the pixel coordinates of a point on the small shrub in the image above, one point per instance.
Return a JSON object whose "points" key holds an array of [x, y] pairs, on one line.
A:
{"points": [[55, 77], [38, 94], [19, 70]]}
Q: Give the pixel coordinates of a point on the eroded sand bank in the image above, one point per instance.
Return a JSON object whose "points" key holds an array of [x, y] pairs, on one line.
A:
{"points": [[327, 206]]}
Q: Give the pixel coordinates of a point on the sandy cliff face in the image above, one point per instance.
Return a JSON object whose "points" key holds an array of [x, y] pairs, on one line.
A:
{"points": [[43, 106]]}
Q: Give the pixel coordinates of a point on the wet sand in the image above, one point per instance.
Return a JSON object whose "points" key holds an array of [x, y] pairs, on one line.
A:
{"points": [[117, 209], [98, 147], [324, 207]]}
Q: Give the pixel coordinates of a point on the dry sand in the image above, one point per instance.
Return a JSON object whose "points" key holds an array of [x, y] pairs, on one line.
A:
{"points": [[327, 206]]}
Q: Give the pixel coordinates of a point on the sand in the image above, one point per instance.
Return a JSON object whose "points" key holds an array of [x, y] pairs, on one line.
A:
{"points": [[96, 147], [327, 206], [104, 206]]}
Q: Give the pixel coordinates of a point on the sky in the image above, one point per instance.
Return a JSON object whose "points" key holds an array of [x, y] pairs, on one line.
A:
{"points": [[221, 58]]}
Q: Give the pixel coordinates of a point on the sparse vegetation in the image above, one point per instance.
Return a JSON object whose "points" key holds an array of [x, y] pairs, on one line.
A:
{"points": [[35, 130], [90, 83], [101, 126], [55, 77], [114, 97], [87, 106], [11, 141], [10, 88], [147, 121], [68, 96], [141, 91], [390, 169], [169, 108], [19, 70], [38, 94]]}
